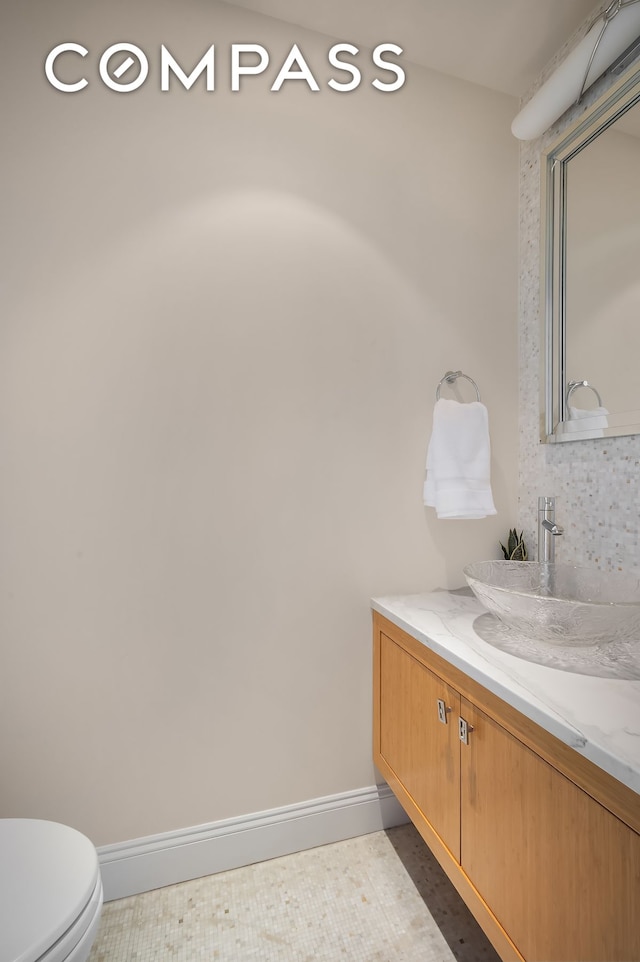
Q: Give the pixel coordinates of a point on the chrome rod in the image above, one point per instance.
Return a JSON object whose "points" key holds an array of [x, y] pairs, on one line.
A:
{"points": [[548, 530]]}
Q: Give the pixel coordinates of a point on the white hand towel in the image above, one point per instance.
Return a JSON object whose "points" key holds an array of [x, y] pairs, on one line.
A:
{"points": [[590, 423], [458, 481]]}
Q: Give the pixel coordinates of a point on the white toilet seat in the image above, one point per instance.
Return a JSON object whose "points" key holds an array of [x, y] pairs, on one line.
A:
{"points": [[50, 892], [75, 944]]}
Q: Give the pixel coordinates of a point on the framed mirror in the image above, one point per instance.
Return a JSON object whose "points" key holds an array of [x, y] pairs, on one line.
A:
{"points": [[591, 272]]}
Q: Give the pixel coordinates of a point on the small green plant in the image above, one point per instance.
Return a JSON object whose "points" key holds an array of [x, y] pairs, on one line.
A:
{"points": [[516, 549]]}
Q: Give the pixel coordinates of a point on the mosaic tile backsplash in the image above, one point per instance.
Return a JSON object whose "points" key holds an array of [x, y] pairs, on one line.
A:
{"points": [[594, 481]]}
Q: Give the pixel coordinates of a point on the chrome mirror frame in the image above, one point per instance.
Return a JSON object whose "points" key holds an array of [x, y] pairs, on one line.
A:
{"points": [[624, 94]]}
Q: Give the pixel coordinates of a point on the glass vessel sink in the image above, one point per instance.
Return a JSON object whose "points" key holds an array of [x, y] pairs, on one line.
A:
{"points": [[559, 604]]}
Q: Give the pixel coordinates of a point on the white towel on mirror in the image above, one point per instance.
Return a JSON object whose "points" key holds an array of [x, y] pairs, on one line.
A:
{"points": [[458, 482], [589, 422]]}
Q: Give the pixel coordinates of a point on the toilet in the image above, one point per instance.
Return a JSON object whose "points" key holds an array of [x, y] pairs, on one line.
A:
{"points": [[50, 892]]}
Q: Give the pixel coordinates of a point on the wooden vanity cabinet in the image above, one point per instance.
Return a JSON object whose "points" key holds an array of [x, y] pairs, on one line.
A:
{"points": [[550, 873], [419, 739]]}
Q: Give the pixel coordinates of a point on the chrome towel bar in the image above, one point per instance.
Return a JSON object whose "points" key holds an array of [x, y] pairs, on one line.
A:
{"points": [[572, 385], [452, 376]]}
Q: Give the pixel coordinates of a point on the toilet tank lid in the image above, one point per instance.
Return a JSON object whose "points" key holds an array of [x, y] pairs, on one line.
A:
{"points": [[48, 873]]}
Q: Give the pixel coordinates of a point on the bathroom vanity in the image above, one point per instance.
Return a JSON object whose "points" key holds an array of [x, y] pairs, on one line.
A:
{"points": [[524, 780]]}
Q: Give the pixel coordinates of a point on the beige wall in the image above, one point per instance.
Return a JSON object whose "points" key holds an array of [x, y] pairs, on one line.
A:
{"points": [[603, 289], [224, 317]]}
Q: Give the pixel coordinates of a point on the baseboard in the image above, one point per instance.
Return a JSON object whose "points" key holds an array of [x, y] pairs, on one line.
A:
{"points": [[129, 868]]}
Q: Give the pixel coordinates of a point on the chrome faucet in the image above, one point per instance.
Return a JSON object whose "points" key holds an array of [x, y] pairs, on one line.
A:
{"points": [[548, 530]]}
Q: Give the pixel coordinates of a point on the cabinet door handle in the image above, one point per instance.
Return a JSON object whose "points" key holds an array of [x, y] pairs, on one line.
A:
{"points": [[443, 711], [464, 730]]}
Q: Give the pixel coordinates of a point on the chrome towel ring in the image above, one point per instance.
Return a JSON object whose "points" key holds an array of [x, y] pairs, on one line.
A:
{"points": [[572, 385], [450, 377]]}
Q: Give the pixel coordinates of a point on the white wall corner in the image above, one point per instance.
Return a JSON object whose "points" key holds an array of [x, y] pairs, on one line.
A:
{"points": [[140, 865]]}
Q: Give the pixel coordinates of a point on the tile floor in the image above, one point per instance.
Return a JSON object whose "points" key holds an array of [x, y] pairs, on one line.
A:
{"points": [[376, 898]]}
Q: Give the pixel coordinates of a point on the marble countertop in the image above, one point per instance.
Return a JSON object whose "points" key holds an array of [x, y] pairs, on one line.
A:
{"points": [[597, 716]]}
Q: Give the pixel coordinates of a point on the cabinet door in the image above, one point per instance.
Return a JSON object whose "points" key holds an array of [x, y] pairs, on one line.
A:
{"points": [[419, 738], [560, 872]]}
